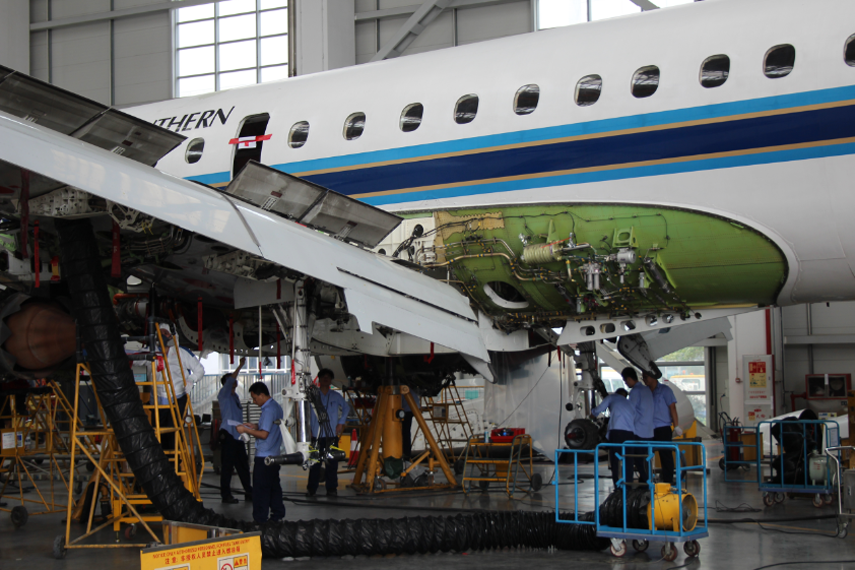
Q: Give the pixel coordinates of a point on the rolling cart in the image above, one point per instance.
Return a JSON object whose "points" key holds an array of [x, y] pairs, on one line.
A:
{"points": [[801, 467], [671, 515]]}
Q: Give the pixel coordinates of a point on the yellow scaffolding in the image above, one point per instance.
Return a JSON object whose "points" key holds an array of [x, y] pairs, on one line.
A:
{"points": [[112, 478], [31, 440]]}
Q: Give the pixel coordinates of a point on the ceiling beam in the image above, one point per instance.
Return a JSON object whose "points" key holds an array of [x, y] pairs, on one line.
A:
{"points": [[645, 5], [399, 11], [115, 14], [410, 30]]}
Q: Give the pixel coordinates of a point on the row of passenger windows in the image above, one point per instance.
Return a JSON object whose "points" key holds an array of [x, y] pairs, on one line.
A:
{"points": [[778, 62]]}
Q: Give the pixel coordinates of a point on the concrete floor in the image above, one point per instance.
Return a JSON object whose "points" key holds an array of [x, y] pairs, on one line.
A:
{"points": [[729, 546]]}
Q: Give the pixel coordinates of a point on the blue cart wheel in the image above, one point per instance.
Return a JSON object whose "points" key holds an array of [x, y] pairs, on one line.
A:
{"points": [[768, 499], [620, 550], [828, 499], [640, 545], [817, 500], [669, 553], [779, 497], [692, 548]]}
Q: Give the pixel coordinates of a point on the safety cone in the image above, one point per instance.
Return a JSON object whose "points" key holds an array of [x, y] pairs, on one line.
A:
{"points": [[354, 449]]}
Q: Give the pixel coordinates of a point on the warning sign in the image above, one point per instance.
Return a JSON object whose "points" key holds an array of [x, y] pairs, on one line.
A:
{"points": [[757, 375], [236, 552]]}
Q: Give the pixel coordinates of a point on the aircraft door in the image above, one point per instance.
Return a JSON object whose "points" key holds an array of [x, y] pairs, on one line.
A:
{"points": [[250, 141]]}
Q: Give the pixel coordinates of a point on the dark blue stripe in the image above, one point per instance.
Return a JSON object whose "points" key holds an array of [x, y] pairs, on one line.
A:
{"points": [[730, 136]]}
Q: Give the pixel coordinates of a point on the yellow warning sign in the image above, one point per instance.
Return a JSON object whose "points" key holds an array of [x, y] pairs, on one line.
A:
{"points": [[236, 552], [757, 374]]}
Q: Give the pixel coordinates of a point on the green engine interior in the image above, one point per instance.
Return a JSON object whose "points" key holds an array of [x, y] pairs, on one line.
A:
{"points": [[519, 265]]}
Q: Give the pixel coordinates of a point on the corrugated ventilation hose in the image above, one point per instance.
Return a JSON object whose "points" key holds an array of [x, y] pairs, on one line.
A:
{"points": [[98, 329]]}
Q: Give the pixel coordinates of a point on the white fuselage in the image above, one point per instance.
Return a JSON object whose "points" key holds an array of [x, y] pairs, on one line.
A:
{"points": [[772, 154]]}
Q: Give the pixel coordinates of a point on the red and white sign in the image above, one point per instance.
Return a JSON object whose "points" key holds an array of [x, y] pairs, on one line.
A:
{"points": [[249, 142]]}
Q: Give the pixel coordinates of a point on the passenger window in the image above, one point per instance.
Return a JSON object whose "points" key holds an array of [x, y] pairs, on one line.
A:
{"points": [[526, 99], [250, 140], [466, 109], [411, 117], [645, 81], [779, 61], [714, 71], [849, 51], [354, 125], [588, 90], [299, 134], [194, 151]]}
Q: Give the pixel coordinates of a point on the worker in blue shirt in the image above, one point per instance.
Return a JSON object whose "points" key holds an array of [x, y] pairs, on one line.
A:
{"points": [[232, 449], [641, 399], [266, 489], [337, 410], [621, 426], [664, 416]]}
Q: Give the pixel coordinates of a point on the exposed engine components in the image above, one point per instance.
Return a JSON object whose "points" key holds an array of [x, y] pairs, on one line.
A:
{"points": [[67, 202], [653, 268], [238, 263]]}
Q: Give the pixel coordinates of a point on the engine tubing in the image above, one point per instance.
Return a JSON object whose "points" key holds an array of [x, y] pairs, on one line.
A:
{"points": [[98, 329]]}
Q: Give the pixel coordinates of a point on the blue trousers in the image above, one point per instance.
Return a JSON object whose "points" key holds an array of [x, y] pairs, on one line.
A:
{"points": [[266, 492], [331, 480]]}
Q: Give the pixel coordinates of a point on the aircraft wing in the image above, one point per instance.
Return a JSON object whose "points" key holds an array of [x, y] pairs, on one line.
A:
{"points": [[377, 290]]}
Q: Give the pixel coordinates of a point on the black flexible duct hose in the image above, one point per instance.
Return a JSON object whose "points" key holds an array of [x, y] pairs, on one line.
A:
{"points": [[98, 329]]}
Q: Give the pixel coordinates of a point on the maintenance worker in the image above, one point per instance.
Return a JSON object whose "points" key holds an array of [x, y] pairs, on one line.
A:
{"points": [[266, 489], [407, 423], [232, 449], [193, 372], [664, 416], [641, 399], [621, 428], [337, 410]]}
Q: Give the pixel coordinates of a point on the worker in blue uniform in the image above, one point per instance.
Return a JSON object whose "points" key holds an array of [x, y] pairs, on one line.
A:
{"points": [[621, 428], [232, 449], [266, 488], [337, 410], [641, 399], [664, 417]]}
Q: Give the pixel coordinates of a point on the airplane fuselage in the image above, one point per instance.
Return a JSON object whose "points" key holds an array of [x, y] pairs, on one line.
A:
{"points": [[738, 192]]}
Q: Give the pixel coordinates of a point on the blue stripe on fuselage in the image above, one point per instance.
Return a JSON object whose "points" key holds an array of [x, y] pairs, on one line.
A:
{"points": [[484, 143]]}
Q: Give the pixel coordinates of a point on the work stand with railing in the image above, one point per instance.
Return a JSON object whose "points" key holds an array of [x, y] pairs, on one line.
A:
{"points": [[35, 447], [657, 511], [508, 463], [112, 483]]}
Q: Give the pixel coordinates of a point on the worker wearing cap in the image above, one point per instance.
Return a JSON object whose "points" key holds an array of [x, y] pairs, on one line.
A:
{"points": [[193, 372], [621, 426], [664, 417], [641, 399]]}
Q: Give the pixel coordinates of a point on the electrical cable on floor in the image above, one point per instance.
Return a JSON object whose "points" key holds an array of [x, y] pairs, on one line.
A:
{"points": [[741, 508], [805, 562]]}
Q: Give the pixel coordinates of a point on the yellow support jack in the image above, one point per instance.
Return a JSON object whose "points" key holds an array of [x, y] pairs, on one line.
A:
{"points": [[380, 439]]}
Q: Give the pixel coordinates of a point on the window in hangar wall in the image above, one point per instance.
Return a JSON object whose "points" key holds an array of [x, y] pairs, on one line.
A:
{"points": [[229, 44], [685, 369], [555, 13]]}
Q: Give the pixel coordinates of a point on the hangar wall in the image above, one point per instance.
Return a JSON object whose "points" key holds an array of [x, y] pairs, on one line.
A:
{"points": [[14, 34]]}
